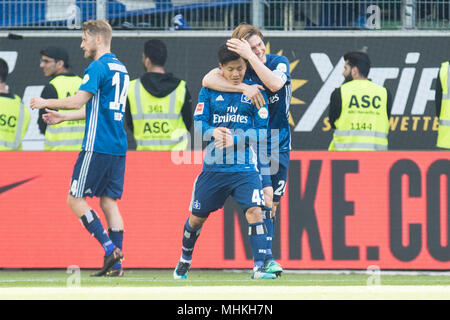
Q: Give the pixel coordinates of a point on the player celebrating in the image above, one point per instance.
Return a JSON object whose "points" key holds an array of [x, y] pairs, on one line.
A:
{"points": [[271, 71], [100, 167], [226, 120]]}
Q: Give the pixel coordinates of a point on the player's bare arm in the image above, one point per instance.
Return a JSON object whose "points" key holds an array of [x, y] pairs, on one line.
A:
{"points": [[215, 80], [76, 101], [55, 117], [243, 48]]}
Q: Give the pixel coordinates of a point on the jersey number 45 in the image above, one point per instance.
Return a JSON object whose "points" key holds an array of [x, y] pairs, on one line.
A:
{"points": [[258, 197]]}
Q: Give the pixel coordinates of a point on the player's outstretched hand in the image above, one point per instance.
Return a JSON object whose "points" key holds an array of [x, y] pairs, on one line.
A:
{"points": [[52, 117], [222, 138], [37, 103], [253, 92]]}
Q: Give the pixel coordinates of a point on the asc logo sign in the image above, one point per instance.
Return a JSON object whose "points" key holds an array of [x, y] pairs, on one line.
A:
{"points": [[398, 80]]}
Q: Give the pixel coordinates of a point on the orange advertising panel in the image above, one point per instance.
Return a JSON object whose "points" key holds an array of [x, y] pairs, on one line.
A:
{"points": [[347, 210]]}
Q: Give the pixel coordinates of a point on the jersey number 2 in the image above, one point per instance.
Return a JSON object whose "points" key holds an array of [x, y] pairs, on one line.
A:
{"points": [[281, 186]]}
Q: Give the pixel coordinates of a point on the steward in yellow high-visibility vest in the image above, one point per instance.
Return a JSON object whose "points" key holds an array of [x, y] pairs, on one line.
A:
{"points": [[14, 115], [14, 121], [158, 111], [359, 110], [442, 100], [67, 135]]}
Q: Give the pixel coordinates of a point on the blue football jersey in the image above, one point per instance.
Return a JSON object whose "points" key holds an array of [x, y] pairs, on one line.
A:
{"points": [[108, 80], [247, 124], [279, 130]]}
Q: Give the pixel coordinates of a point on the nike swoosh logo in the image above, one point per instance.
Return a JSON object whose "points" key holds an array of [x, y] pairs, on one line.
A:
{"points": [[14, 185]]}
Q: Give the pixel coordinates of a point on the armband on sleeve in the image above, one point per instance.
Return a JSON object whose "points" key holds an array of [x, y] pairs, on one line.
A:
{"points": [[281, 75]]}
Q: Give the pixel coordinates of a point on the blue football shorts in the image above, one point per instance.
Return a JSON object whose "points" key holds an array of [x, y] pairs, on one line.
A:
{"points": [[211, 189], [97, 174], [279, 166], [280, 177]]}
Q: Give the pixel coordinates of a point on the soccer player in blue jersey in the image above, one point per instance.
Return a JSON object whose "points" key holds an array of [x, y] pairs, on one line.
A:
{"points": [[232, 127], [272, 72], [100, 167]]}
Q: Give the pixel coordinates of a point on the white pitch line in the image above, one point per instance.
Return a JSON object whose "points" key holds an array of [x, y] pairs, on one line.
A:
{"points": [[231, 293], [154, 282]]}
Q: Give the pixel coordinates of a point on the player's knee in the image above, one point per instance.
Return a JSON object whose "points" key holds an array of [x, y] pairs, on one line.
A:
{"points": [[107, 203], [71, 201], [254, 214], [268, 196], [196, 222], [78, 205]]}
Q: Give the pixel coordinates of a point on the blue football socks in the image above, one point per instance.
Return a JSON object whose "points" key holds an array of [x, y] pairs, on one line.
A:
{"points": [[93, 224], [268, 221], [190, 236], [258, 241], [116, 237]]}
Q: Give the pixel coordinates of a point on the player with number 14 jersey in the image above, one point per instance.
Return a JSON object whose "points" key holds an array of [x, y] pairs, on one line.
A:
{"points": [[100, 167], [107, 79]]}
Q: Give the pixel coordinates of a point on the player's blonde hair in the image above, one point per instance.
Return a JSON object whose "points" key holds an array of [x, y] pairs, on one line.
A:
{"points": [[98, 28], [244, 31]]}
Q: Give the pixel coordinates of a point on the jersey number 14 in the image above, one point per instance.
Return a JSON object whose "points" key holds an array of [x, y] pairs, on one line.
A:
{"points": [[120, 96]]}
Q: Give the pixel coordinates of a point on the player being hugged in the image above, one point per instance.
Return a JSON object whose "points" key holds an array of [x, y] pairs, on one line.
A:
{"points": [[100, 167], [270, 72], [232, 127]]}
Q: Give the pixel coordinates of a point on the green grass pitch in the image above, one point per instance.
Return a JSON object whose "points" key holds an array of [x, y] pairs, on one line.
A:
{"points": [[221, 284]]}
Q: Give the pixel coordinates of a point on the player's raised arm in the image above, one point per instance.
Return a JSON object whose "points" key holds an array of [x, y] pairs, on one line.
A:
{"points": [[76, 101], [271, 79], [215, 80]]}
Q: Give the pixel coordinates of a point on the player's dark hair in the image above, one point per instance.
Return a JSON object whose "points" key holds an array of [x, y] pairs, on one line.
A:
{"points": [[224, 55], [3, 70], [156, 51], [360, 60]]}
